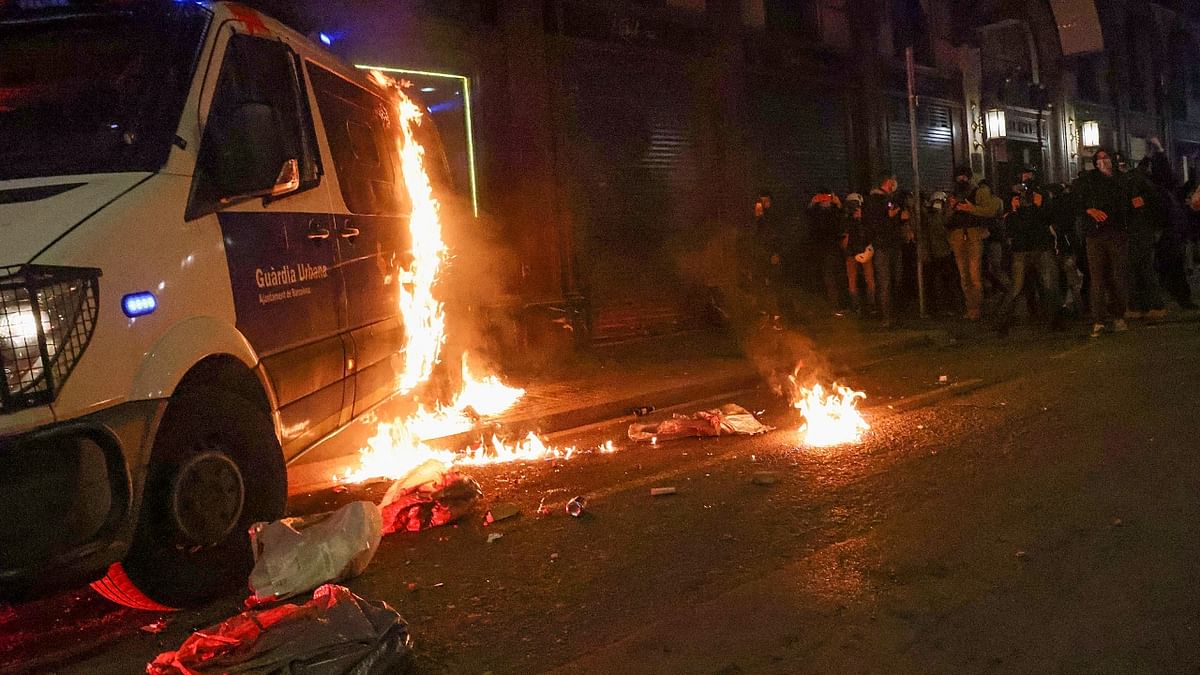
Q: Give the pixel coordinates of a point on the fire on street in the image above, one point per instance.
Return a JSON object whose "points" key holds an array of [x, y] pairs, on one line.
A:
{"points": [[1048, 518]]}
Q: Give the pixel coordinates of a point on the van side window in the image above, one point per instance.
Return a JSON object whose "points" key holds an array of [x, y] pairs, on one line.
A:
{"points": [[362, 137], [257, 125]]}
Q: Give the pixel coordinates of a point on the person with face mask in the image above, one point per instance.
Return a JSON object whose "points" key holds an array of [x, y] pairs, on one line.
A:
{"points": [[934, 247], [859, 254], [1147, 217], [973, 207], [1031, 238], [1101, 201]]}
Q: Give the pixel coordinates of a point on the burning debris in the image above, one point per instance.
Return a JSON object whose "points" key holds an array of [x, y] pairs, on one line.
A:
{"points": [[431, 496], [830, 419]]}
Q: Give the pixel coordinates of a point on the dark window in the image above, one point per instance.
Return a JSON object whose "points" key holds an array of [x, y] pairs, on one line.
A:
{"points": [[95, 89], [362, 137], [910, 28], [259, 85], [1089, 71], [791, 17]]}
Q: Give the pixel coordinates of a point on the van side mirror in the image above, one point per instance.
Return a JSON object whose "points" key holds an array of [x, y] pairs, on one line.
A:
{"points": [[247, 156]]}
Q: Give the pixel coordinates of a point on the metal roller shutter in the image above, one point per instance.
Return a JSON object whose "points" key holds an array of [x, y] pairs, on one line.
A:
{"points": [[638, 193], [935, 144], [802, 146]]}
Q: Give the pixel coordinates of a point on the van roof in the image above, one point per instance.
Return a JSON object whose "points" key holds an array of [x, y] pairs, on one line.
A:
{"points": [[256, 22]]}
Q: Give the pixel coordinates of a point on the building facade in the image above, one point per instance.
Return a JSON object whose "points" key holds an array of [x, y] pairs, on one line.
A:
{"points": [[615, 146]]}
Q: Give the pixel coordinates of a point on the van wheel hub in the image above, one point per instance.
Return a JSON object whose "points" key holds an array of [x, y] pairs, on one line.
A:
{"points": [[207, 498]]}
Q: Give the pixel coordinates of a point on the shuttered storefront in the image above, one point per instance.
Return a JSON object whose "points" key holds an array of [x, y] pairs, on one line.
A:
{"points": [[935, 144], [636, 191], [801, 144]]}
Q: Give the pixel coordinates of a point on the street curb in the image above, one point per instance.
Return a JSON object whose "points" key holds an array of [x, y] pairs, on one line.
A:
{"points": [[928, 398]]}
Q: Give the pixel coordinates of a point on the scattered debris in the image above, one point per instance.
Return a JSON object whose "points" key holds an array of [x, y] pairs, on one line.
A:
{"points": [[576, 506], [154, 627], [728, 419], [492, 537], [1117, 522], [340, 490], [662, 491], [554, 556], [765, 478], [429, 496], [642, 411], [943, 379], [296, 555], [336, 631], [439, 584], [1022, 555], [501, 511]]}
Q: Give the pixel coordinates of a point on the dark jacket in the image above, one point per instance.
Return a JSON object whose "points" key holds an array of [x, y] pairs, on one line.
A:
{"points": [[883, 230], [825, 226], [856, 231], [1151, 216], [1094, 190], [1029, 225]]}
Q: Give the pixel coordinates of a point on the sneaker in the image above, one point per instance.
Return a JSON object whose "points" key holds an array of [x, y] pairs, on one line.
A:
{"points": [[1156, 314], [1133, 314], [1119, 326], [1097, 330]]}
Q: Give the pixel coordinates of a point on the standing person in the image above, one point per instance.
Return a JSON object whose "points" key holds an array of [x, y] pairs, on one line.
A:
{"points": [[1031, 238], [1066, 247], [1100, 199], [1147, 216], [886, 222], [859, 255], [762, 262], [826, 226], [934, 247], [974, 207]]}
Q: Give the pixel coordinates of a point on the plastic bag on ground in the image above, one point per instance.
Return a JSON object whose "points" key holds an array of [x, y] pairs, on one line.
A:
{"points": [[429, 496], [335, 633], [729, 419], [295, 555]]}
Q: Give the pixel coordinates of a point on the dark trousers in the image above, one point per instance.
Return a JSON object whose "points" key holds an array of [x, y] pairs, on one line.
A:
{"points": [[1172, 264], [1024, 264], [833, 273], [889, 265], [1108, 262], [1145, 293]]}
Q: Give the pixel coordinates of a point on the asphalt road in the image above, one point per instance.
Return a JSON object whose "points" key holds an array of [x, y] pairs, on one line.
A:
{"points": [[1045, 522]]}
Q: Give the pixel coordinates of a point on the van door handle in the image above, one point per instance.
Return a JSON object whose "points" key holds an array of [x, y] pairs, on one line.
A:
{"points": [[349, 232], [316, 232]]}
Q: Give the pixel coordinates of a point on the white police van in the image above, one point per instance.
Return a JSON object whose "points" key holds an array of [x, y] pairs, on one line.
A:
{"points": [[202, 225]]}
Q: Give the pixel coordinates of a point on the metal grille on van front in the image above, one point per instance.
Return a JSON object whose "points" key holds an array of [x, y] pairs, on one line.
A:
{"points": [[47, 317]]}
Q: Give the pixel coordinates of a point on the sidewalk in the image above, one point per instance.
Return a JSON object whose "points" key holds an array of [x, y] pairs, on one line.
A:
{"points": [[612, 381]]}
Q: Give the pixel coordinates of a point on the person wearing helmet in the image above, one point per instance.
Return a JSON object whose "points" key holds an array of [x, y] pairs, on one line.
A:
{"points": [[934, 248], [974, 207], [1100, 201], [859, 254]]}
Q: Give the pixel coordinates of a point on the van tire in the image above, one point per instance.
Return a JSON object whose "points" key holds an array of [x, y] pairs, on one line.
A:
{"points": [[215, 469]]}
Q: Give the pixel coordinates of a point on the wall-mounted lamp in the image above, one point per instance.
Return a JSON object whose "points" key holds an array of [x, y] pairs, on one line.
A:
{"points": [[1091, 134], [995, 123]]}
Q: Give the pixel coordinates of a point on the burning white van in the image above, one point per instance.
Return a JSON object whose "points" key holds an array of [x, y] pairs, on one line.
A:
{"points": [[202, 243]]}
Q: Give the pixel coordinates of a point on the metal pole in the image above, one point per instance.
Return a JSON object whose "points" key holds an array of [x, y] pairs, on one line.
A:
{"points": [[916, 169]]}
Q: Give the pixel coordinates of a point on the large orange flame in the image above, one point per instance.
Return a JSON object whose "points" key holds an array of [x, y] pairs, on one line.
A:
{"points": [[830, 419], [399, 446]]}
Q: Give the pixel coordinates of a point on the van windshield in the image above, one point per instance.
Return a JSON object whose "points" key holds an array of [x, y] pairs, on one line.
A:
{"points": [[93, 87]]}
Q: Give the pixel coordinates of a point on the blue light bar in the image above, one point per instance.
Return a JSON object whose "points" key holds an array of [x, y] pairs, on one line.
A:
{"points": [[325, 39], [139, 304]]}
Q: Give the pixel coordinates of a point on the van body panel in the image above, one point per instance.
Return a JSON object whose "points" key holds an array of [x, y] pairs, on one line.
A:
{"points": [[36, 211]]}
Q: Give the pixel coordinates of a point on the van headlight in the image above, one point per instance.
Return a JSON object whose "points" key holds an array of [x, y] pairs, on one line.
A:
{"points": [[47, 317]]}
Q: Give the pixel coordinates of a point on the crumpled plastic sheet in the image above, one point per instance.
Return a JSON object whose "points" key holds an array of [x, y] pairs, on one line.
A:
{"points": [[335, 633], [429, 496], [729, 419], [295, 555]]}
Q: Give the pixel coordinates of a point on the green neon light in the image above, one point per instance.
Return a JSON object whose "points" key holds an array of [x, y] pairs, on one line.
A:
{"points": [[466, 85]]}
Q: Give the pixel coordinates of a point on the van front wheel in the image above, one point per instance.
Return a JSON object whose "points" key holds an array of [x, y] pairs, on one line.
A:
{"points": [[215, 469]]}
